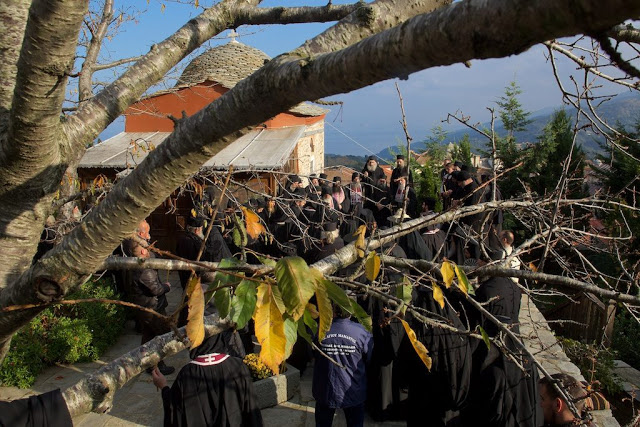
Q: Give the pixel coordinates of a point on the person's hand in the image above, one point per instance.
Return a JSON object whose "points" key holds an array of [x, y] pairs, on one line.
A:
{"points": [[168, 284], [158, 379], [366, 174]]}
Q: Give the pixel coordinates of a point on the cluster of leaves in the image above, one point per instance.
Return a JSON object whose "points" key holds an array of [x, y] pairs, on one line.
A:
{"points": [[626, 338], [595, 363], [258, 369], [281, 309], [65, 334]]}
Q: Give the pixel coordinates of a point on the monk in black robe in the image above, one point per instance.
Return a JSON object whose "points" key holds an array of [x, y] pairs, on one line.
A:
{"points": [[214, 389], [502, 394], [44, 410]]}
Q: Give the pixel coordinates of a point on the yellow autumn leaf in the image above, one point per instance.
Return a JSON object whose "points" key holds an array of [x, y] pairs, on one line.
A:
{"points": [[254, 226], [447, 273], [195, 319], [533, 267], [269, 327], [195, 280], [360, 232], [437, 294], [194, 213], [372, 266], [422, 351]]}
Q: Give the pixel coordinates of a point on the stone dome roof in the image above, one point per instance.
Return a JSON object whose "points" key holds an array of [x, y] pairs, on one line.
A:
{"points": [[226, 64]]}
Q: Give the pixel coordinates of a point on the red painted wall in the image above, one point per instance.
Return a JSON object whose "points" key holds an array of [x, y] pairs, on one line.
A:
{"points": [[150, 114]]}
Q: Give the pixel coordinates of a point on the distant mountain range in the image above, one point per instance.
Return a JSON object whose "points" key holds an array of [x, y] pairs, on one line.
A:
{"points": [[623, 110]]}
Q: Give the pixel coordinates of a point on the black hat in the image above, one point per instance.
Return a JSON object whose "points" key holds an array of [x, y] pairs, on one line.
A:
{"points": [[323, 176], [299, 193], [294, 178], [400, 157], [355, 175], [195, 221], [311, 176], [337, 179], [330, 226], [261, 202], [461, 175], [458, 164], [371, 158], [326, 190], [431, 203]]}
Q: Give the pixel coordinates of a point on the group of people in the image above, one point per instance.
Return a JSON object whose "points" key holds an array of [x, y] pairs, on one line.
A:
{"points": [[469, 383], [380, 372]]}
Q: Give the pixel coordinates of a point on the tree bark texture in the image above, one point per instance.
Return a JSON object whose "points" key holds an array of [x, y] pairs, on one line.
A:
{"points": [[31, 162], [95, 391]]}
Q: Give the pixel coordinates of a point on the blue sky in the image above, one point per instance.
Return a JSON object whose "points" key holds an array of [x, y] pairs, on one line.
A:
{"points": [[371, 116]]}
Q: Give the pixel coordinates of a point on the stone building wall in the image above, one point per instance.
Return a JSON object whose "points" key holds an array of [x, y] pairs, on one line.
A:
{"points": [[309, 153]]}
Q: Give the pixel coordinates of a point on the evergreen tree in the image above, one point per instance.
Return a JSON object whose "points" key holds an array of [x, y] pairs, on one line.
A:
{"points": [[546, 160], [514, 118]]}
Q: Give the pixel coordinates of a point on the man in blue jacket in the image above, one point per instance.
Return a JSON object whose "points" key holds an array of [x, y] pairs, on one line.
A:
{"points": [[345, 386]]}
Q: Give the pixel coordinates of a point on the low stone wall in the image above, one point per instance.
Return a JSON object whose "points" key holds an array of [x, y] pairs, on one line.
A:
{"points": [[543, 344], [277, 389]]}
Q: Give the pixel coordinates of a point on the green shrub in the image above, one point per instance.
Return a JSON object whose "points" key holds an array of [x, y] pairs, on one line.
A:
{"points": [[595, 363], [626, 338], [69, 341], [64, 334]]}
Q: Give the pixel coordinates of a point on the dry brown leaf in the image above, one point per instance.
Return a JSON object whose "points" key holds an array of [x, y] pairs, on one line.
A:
{"points": [[254, 226]]}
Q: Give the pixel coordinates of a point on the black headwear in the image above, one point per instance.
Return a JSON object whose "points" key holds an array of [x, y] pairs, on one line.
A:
{"points": [[323, 176], [371, 158], [337, 179], [326, 190], [400, 157], [355, 175], [294, 178], [195, 221], [330, 226], [225, 342]]}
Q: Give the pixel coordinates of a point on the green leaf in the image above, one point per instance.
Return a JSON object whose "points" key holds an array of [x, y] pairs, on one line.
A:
{"points": [[335, 292], [222, 300], [463, 282], [302, 331], [485, 337], [308, 320], [237, 238], [324, 309], [225, 278], [403, 292], [295, 283], [361, 315], [244, 303], [372, 266], [291, 334], [267, 261]]}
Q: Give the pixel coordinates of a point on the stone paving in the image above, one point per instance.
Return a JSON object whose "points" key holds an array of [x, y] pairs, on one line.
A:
{"points": [[140, 404]]}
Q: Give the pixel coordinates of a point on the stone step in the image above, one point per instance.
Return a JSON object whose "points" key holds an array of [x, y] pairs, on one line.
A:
{"points": [[630, 378]]}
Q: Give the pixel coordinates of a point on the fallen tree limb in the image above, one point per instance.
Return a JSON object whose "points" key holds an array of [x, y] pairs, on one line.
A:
{"points": [[95, 392]]}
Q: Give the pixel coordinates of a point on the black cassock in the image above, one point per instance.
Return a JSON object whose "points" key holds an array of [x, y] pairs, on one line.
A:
{"points": [[219, 393], [44, 410], [502, 394], [437, 397]]}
